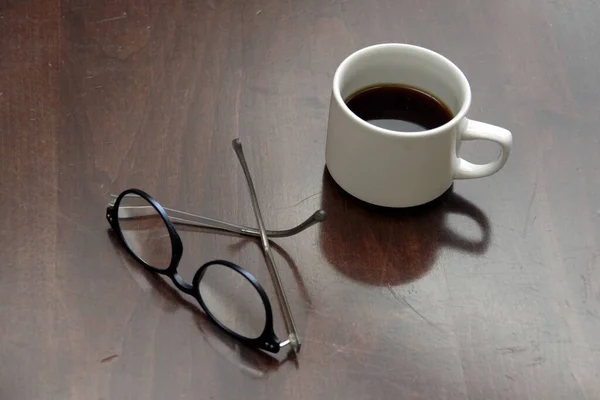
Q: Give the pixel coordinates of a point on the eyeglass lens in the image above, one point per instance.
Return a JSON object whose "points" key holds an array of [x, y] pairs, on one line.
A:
{"points": [[231, 299], [145, 232]]}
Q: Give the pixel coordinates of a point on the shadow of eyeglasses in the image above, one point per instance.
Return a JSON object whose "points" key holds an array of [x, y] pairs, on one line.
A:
{"points": [[252, 361], [244, 241]]}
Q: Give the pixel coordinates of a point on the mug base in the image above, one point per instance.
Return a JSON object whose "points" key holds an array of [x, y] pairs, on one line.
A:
{"points": [[367, 202]]}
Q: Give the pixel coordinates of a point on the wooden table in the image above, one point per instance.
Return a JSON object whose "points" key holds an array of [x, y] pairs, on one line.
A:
{"points": [[491, 292]]}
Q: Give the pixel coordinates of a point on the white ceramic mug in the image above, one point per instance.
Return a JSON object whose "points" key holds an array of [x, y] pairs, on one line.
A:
{"points": [[403, 169]]}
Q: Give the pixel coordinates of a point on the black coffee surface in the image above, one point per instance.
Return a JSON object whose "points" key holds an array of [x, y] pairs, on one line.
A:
{"points": [[399, 108]]}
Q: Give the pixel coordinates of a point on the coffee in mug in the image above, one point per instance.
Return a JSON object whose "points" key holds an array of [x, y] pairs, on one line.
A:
{"points": [[399, 108]]}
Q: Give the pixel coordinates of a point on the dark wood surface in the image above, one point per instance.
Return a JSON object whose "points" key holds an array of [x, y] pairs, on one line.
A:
{"points": [[491, 292]]}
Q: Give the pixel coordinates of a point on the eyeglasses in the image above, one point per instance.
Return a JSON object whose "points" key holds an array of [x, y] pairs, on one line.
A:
{"points": [[146, 229]]}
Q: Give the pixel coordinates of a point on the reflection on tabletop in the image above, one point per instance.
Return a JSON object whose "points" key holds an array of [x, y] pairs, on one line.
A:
{"points": [[382, 246]]}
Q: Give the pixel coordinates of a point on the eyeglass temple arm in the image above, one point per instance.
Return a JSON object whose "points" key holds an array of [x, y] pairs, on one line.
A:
{"points": [[294, 339], [180, 217]]}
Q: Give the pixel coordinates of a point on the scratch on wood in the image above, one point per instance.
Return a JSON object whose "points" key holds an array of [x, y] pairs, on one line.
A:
{"points": [[530, 206], [585, 287], [402, 300], [592, 314], [81, 7], [536, 361], [124, 15], [512, 350], [302, 201], [109, 358], [579, 384]]}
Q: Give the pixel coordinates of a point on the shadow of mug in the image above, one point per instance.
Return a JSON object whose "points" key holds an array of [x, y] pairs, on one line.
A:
{"points": [[387, 246]]}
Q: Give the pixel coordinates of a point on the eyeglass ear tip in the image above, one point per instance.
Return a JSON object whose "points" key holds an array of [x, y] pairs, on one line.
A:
{"points": [[295, 344], [236, 143], [320, 215]]}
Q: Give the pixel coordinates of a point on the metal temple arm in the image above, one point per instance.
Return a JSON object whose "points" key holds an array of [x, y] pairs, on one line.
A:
{"points": [[134, 207], [293, 337]]}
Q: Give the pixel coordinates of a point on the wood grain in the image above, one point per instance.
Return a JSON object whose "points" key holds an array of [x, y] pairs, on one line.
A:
{"points": [[491, 292]]}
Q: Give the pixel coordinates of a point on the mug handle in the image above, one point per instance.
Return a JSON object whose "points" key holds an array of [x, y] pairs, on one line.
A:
{"points": [[482, 131]]}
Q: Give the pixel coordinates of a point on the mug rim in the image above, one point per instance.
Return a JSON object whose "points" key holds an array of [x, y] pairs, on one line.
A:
{"points": [[464, 108]]}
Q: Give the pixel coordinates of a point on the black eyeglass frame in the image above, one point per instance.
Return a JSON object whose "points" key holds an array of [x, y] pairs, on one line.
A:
{"points": [[267, 340]]}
